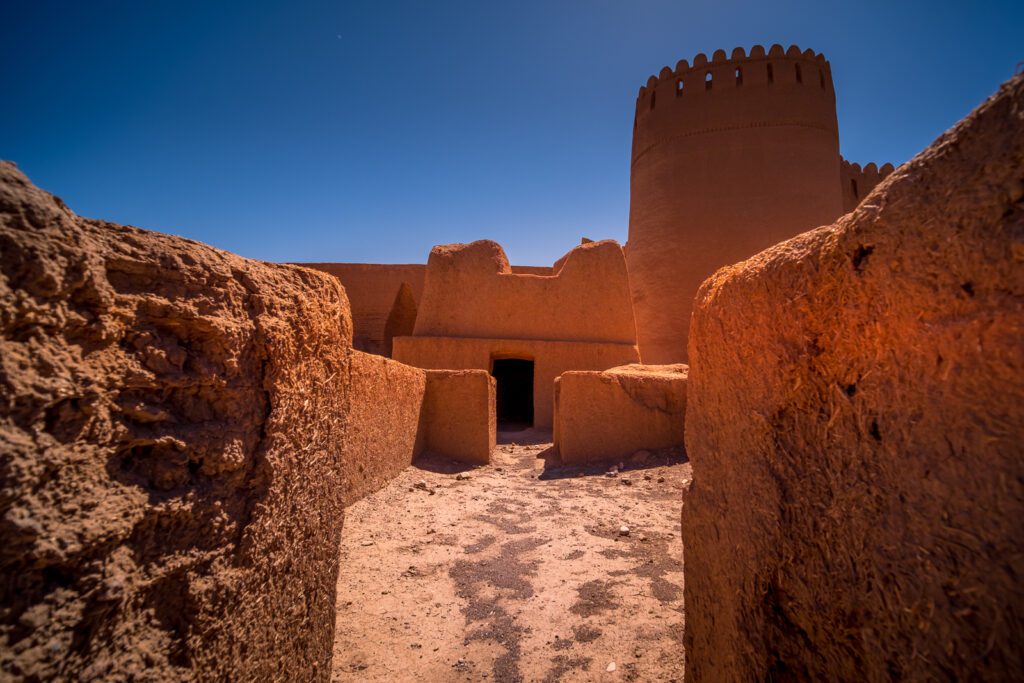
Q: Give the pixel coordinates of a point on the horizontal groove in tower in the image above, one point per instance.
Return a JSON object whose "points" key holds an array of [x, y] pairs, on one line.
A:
{"points": [[730, 155]]}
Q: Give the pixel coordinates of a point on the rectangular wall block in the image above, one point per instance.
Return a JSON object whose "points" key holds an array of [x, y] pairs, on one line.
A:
{"points": [[611, 414], [384, 433], [459, 414]]}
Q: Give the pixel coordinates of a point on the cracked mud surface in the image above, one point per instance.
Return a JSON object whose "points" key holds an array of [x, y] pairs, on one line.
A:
{"points": [[518, 573]]}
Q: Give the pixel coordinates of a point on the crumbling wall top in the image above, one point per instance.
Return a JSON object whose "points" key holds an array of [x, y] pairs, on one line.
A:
{"points": [[472, 291]]}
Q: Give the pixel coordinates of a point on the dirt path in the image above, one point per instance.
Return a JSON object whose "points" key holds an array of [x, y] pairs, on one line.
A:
{"points": [[520, 572]]}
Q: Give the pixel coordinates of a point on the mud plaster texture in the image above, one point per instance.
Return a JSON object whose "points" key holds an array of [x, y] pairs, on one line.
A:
{"points": [[458, 414], [385, 431], [516, 571], [611, 414], [170, 472], [856, 426]]}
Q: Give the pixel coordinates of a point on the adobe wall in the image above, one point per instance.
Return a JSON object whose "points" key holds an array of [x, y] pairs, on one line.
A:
{"points": [[460, 414], [385, 299], [373, 289], [384, 425], [551, 359], [855, 422], [719, 173], [612, 414], [471, 291], [172, 434], [857, 182]]}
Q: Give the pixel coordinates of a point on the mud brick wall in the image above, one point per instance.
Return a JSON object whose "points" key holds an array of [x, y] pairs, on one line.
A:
{"points": [[459, 414], [855, 421], [384, 430], [171, 435], [612, 414]]}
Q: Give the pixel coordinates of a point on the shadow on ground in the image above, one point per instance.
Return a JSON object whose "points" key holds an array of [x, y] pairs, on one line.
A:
{"points": [[522, 436], [554, 468], [432, 462]]}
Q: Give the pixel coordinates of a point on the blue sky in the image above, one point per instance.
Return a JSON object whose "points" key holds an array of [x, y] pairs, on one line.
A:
{"points": [[370, 131]]}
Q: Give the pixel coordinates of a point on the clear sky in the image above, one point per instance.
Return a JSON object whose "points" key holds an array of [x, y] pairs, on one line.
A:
{"points": [[370, 131]]}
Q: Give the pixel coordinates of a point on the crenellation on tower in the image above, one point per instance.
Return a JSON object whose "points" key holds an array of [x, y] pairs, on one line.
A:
{"points": [[760, 89], [730, 155]]}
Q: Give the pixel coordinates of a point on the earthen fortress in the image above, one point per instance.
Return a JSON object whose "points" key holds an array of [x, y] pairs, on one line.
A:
{"points": [[183, 431], [730, 155]]}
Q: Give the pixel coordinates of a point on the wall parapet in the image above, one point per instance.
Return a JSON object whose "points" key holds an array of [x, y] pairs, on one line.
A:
{"points": [[761, 88], [858, 182], [737, 60]]}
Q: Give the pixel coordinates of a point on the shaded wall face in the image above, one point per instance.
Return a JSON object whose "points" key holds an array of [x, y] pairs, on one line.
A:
{"points": [[385, 431], [550, 359], [610, 415], [459, 414], [855, 423], [720, 174], [471, 291]]}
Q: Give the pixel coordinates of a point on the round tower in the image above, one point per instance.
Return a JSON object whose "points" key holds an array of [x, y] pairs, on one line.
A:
{"points": [[730, 156]]}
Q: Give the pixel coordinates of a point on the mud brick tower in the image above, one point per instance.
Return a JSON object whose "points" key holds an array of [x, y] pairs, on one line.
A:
{"points": [[730, 156]]}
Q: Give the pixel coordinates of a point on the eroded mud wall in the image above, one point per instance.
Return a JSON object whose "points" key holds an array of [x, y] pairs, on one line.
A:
{"points": [[612, 414], [458, 412], [855, 421], [385, 433], [171, 425], [472, 291]]}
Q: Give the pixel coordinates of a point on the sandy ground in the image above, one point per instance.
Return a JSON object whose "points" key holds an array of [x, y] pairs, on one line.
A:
{"points": [[517, 571]]}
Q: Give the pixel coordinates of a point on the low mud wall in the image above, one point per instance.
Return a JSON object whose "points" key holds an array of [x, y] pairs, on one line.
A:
{"points": [[171, 430], [459, 418], [384, 432], [855, 422], [612, 414], [550, 358]]}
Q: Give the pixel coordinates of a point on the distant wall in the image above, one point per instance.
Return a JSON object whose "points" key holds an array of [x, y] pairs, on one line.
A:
{"points": [[384, 433], [381, 307], [471, 291], [459, 414], [855, 423], [372, 289], [857, 182], [611, 414], [551, 359]]}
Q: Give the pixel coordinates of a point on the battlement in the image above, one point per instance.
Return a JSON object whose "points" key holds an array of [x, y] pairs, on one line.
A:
{"points": [[858, 182], [685, 76], [740, 90]]}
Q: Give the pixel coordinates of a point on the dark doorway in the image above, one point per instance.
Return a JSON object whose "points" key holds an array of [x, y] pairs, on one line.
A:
{"points": [[514, 377]]}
